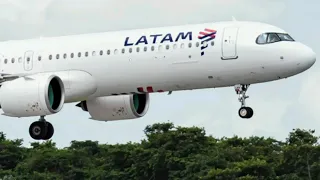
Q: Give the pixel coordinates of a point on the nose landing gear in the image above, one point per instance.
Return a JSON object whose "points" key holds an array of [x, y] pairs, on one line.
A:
{"points": [[41, 130], [244, 112]]}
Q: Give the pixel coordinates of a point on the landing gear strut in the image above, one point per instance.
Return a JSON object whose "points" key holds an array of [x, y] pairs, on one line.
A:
{"points": [[41, 130], [244, 112]]}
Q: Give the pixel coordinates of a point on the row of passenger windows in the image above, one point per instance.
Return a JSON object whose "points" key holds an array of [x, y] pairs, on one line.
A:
{"points": [[108, 52]]}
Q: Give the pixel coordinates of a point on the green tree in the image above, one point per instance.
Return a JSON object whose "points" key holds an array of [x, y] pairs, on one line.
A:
{"points": [[167, 152]]}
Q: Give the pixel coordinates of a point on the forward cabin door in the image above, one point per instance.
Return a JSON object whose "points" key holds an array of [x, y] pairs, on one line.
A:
{"points": [[28, 60], [229, 43]]}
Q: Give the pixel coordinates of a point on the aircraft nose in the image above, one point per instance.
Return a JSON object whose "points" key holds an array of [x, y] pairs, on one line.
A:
{"points": [[307, 55], [310, 56]]}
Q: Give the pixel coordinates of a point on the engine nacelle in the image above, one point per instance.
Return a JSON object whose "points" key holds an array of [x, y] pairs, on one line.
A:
{"points": [[35, 95], [122, 107]]}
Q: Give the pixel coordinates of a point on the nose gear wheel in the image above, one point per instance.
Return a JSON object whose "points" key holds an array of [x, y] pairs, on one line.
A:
{"points": [[244, 112]]}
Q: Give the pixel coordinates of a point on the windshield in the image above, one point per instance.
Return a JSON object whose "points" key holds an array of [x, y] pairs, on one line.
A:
{"points": [[266, 38], [273, 38], [285, 37]]}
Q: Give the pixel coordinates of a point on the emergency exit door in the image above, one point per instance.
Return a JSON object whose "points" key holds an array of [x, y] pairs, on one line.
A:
{"points": [[2, 63], [28, 60], [229, 43]]}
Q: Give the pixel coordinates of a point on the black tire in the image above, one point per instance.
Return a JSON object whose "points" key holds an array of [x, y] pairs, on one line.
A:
{"points": [[37, 130], [245, 112], [250, 114], [50, 131]]}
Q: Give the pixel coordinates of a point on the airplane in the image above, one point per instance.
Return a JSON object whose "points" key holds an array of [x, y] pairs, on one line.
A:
{"points": [[110, 75]]}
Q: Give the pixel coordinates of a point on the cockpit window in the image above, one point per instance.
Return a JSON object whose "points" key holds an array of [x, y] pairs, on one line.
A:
{"points": [[262, 39], [267, 38], [272, 37], [285, 37]]}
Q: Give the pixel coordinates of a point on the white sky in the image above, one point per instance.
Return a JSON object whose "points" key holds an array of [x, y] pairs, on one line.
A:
{"points": [[279, 106]]}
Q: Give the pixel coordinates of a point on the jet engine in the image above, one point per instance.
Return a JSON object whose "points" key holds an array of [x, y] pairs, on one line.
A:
{"points": [[109, 108], [35, 95]]}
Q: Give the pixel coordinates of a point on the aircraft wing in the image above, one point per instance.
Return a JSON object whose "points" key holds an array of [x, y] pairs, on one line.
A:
{"points": [[8, 77]]}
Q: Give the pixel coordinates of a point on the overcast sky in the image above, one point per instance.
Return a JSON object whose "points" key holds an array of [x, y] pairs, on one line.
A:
{"points": [[278, 106]]}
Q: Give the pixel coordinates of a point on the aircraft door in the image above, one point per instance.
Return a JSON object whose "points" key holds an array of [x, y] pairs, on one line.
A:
{"points": [[28, 60], [229, 43], [1, 63]]}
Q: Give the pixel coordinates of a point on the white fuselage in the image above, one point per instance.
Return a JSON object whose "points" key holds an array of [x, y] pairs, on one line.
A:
{"points": [[231, 57]]}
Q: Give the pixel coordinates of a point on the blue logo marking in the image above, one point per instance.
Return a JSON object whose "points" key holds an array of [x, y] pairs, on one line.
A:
{"points": [[206, 36], [152, 39]]}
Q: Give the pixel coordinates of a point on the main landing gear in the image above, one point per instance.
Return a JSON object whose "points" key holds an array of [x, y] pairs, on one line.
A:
{"points": [[244, 112], [41, 130]]}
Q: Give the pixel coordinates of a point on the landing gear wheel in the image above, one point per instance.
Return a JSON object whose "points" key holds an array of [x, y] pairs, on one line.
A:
{"points": [[244, 112], [37, 130], [50, 131], [41, 130]]}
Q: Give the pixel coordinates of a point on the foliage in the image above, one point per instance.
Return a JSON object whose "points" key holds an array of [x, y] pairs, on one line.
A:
{"points": [[168, 152]]}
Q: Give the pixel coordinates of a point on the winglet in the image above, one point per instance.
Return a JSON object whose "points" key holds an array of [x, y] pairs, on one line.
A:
{"points": [[233, 18]]}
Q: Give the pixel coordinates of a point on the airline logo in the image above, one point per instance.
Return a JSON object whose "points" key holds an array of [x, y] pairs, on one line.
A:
{"points": [[158, 38], [206, 36]]}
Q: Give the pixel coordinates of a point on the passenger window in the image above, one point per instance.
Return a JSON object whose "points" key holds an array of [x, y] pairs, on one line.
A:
{"points": [[72, 55], [86, 54], [182, 45], [20, 59], [190, 45], [212, 43], [168, 47], [205, 43], [197, 44], [93, 53], [145, 48], [50, 57], [130, 50], [79, 54], [101, 53], [123, 51], [116, 51], [273, 38], [152, 48], [108, 52], [57, 56], [65, 56], [6, 61], [12, 60], [39, 58], [138, 49], [175, 46]]}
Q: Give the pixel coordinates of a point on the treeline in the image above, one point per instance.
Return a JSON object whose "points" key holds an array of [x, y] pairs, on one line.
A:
{"points": [[168, 152]]}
